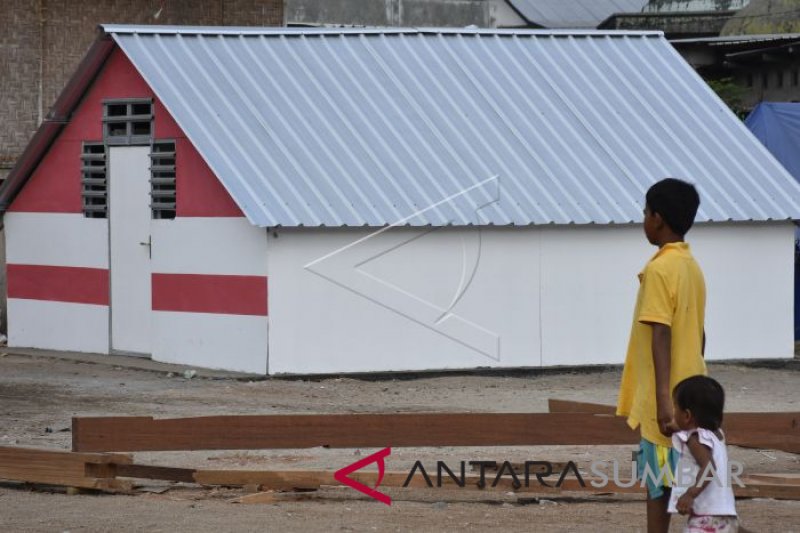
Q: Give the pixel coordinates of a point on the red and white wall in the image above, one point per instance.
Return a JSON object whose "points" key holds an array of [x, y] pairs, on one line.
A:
{"points": [[210, 293], [207, 267], [58, 285], [217, 292]]}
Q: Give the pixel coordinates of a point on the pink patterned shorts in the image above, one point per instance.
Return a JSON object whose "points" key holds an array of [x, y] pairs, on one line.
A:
{"points": [[711, 524]]}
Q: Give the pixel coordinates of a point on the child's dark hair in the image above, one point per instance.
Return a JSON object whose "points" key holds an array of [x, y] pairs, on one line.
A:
{"points": [[704, 397], [676, 201]]}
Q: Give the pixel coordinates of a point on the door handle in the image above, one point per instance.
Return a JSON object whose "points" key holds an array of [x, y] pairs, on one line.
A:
{"points": [[149, 244]]}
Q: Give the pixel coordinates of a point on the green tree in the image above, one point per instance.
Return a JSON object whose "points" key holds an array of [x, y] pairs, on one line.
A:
{"points": [[731, 93]]}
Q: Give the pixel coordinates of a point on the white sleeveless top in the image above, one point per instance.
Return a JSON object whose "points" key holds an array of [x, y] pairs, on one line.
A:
{"points": [[717, 498]]}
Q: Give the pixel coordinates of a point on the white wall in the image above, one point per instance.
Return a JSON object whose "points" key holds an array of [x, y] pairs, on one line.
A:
{"points": [[750, 282], [222, 246], [60, 239], [225, 342], [549, 296], [589, 284], [205, 245], [64, 326], [378, 310], [57, 239]]}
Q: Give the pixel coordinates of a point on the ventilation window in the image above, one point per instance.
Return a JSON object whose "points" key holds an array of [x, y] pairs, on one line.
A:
{"points": [[162, 180], [93, 179], [127, 121]]}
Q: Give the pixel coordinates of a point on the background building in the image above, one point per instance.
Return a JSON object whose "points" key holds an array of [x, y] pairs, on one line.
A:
{"points": [[760, 68], [678, 18], [43, 41], [408, 13]]}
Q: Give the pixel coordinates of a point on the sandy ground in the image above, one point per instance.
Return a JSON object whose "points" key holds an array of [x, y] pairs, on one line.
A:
{"points": [[39, 395]]}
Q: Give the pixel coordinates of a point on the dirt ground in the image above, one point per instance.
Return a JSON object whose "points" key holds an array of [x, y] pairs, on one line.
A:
{"points": [[39, 394]]}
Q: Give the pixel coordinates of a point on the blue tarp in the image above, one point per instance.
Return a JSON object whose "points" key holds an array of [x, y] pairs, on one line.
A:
{"points": [[777, 126]]}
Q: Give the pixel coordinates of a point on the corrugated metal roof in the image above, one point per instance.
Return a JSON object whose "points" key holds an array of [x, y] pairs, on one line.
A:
{"points": [[573, 13], [320, 127]]}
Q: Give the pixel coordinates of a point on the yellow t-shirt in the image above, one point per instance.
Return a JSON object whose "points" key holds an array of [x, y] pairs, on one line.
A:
{"points": [[672, 291]]}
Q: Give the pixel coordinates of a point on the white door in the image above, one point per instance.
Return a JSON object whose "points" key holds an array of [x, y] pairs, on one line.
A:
{"points": [[129, 219]]}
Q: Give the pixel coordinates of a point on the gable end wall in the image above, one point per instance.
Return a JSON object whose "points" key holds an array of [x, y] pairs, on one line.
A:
{"points": [[208, 265]]}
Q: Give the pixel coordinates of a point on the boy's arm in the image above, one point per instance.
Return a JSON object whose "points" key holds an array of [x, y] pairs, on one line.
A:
{"points": [[662, 347], [701, 454]]}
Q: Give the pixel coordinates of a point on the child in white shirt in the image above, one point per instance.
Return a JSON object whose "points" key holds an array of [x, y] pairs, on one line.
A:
{"points": [[702, 485]]}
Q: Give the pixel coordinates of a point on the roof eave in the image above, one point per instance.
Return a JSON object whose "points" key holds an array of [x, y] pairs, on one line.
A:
{"points": [[56, 119]]}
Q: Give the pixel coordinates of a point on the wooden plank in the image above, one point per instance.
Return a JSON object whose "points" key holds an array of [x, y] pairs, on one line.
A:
{"points": [[277, 497], [760, 489], [776, 431], [315, 479], [56, 467], [165, 473], [568, 406], [776, 479], [555, 466], [292, 480], [346, 431]]}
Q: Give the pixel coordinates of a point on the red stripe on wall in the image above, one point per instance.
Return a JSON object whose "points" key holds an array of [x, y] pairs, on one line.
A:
{"points": [[58, 284], [205, 293]]}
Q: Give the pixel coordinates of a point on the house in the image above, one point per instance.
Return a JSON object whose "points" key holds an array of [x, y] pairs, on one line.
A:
{"points": [[678, 19], [586, 14], [766, 68], [552, 14], [402, 13], [323, 201]]}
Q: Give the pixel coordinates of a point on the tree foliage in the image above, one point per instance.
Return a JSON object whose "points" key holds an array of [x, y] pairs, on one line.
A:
{"points": [[731, 93]]}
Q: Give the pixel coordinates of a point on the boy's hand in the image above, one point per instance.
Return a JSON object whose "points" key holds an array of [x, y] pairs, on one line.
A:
{"points": [[685, 503], [666, 421], [672, 427]]}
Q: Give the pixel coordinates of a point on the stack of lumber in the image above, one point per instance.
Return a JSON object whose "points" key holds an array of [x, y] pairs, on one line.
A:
{"points": [[95, 462], [56, 467]]}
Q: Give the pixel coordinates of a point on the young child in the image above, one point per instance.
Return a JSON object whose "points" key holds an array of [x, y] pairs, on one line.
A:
{"points": [[667, 337], [702, 487]]}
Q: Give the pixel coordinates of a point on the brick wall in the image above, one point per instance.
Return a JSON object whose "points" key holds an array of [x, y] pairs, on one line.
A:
{"points": [[46, 39], [20, 44]]}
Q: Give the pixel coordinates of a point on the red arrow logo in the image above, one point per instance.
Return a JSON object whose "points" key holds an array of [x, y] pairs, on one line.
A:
{"points": [[377, 457]]}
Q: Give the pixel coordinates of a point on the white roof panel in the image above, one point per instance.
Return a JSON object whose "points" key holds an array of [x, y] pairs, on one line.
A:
{"points": [[574, 13], [334, 128]]}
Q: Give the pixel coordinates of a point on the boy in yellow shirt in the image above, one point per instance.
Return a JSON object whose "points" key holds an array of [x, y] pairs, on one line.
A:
{"points": [[667, 338]]}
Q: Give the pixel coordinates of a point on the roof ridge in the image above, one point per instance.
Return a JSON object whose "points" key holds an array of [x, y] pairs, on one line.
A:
{"points": [[276, 30]]}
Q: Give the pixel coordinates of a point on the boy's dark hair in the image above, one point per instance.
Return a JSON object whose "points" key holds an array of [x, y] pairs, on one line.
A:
{"points": [[676, 201], [704, 397]]}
